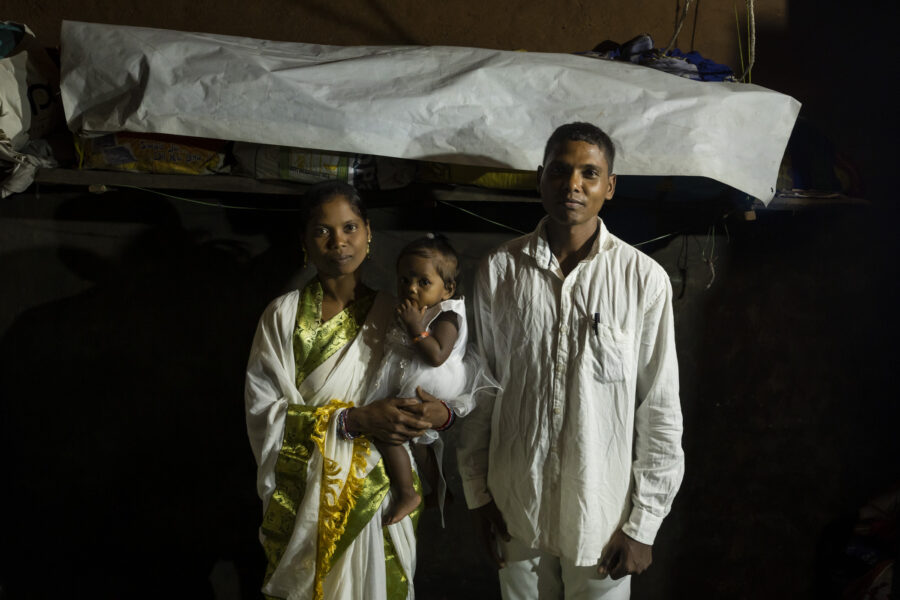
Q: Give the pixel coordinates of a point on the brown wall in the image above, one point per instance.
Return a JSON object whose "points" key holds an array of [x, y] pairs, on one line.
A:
{"points": [[557, 26]]}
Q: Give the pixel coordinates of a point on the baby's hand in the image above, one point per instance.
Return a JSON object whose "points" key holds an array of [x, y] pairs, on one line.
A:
{"points": [[412, 317]]}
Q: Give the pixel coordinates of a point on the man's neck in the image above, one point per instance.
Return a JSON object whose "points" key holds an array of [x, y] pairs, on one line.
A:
{"points": [[571, 245]]}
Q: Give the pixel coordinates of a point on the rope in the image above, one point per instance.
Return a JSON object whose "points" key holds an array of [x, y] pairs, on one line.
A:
{"points": [[752, 11], [694, 28], [737, 26], [687, 4], [751, 41]]}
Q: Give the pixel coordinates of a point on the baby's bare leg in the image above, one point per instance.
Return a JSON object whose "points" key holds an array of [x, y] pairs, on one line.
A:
{"points": [[405, 497]]}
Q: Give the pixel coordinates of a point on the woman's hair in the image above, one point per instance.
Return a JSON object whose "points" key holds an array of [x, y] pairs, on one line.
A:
{"points": [[319, 193], [437, 248]]}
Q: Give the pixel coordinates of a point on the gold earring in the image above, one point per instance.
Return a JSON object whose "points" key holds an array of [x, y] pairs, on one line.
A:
{"points": [[369, 248]]}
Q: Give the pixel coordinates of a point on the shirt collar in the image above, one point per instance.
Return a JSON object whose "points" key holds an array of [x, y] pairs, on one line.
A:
{"points": [[539, 248]]}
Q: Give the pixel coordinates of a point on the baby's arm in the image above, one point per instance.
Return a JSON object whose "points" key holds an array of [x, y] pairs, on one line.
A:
{"points": [[435, 348]]}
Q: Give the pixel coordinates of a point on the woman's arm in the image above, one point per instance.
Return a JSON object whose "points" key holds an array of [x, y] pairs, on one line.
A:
{"points": [[270, 387]]}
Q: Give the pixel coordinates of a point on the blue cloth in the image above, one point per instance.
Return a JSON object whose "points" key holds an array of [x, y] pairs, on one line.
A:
{"points": [[640, 50], [709, 70], [10, 36]]}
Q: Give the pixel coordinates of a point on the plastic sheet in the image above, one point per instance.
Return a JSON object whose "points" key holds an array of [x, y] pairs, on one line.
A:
{"points": [[458, 105]]}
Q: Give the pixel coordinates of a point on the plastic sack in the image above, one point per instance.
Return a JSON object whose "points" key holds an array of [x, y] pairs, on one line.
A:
{"points": [[152, 153], [29, 107], [29, 89], [364, 171], [502, 179]]}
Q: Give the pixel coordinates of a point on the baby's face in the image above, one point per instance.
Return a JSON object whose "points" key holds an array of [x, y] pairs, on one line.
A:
{"points": [[419, 281]]}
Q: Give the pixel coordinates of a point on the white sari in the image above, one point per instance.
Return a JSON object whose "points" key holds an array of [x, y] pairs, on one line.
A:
{"points": [[334, 547]]}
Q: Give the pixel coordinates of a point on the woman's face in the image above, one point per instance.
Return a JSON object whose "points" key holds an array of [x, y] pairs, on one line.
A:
{"points": [[336, 237]]}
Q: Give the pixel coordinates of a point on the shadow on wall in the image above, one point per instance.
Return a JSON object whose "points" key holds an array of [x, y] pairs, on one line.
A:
{"points": [[125, 436]]}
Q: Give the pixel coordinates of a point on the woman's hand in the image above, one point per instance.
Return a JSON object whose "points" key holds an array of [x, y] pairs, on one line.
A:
{"points": [[388, 420], [431, 409]]}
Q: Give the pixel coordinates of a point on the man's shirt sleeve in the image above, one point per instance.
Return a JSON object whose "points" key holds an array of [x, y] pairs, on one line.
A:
{"points": [[659, 460]]}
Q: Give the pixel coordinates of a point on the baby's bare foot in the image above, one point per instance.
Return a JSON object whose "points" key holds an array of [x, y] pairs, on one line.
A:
{"points": [[405, 501]]}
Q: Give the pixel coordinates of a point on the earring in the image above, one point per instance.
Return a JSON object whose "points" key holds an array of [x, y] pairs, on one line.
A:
{"points": [[369, 248]]}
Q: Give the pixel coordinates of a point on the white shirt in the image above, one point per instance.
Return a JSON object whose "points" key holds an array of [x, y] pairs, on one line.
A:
{"points": [[585, 435]]}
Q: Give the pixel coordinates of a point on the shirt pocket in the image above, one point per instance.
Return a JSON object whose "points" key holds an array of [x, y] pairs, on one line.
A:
{"points": [[609, 349]]}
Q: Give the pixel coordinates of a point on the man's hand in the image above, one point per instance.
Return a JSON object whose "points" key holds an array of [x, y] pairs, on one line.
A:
{"points": [[490, 525], [387, 420], [624, 556], [411, 317]]}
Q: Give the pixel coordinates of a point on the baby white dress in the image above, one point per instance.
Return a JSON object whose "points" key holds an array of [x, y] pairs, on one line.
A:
{"points": [[402, 369]]}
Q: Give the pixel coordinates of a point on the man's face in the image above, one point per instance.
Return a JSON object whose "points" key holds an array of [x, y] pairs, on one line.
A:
{"points": [[575, 182]]}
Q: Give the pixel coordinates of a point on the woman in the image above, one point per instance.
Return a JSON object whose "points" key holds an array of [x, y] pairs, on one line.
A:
{"points": [[322, 483]]}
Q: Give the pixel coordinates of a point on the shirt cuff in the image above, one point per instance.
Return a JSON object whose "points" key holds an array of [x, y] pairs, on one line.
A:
{"points": [[642, 526], [476, 492]]}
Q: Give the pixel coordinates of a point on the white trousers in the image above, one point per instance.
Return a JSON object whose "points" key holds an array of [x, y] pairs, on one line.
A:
{"points": [[535, 575]]}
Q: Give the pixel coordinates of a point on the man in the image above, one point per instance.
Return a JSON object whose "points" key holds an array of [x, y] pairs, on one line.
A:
{"points": [[571, 468]]}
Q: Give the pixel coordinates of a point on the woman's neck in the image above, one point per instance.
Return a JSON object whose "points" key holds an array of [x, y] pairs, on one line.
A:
{"points": [[338, 292]]}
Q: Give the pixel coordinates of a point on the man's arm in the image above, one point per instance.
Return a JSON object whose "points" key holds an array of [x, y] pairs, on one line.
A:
{"points": [[659, 460]]}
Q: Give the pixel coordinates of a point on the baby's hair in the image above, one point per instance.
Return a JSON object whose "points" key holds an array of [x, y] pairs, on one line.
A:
{"points": [[437, 248]]}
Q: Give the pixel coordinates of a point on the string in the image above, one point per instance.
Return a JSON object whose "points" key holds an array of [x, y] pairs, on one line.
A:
{"points": [[483, 218], [678, 26], [211, 204]]}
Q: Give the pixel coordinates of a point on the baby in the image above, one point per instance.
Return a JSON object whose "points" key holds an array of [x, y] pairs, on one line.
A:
{"points": [[425, 348]]}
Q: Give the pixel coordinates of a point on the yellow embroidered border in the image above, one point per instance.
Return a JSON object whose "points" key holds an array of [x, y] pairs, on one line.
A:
{"points": [[396, 580], [314, 341], [290, 482], [370, 498], [335, 503]]}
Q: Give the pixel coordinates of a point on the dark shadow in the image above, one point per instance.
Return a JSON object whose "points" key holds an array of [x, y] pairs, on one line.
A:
{"points": [[124, 444]]}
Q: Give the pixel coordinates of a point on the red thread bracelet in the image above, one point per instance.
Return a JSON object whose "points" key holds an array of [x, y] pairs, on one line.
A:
{"points": [[421, 337], [451, 416]]}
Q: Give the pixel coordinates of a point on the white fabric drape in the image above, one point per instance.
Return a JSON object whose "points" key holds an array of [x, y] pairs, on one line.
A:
{"points": [[359, 573]]}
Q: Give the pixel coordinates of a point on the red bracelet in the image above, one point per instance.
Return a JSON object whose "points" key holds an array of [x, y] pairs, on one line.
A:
{"points": [[421, 337], [451, 417]]}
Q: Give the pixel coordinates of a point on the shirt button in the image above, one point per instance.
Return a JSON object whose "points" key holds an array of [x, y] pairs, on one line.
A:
{"points": [[564, 329]]}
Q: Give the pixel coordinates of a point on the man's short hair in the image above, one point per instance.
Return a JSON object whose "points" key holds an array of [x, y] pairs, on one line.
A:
{"points": [[582, 132]]}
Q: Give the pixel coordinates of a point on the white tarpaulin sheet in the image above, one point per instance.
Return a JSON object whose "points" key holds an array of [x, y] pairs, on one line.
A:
{"points": [[458, 105]]}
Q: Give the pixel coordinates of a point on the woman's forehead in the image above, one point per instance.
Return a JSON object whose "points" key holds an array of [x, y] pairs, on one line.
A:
{"points": [[336, 207]]}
